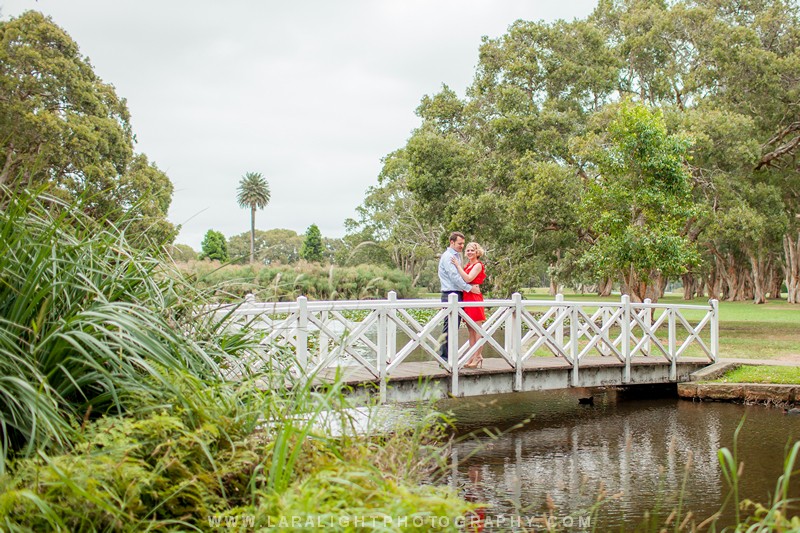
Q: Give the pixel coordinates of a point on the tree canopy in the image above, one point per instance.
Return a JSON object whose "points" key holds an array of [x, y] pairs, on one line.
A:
{"points": [[62, 127], [312, 249], [650, 141], [214, 246]]}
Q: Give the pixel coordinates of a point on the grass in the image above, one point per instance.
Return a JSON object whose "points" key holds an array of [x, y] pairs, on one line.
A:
{"points": [[782, 375]]}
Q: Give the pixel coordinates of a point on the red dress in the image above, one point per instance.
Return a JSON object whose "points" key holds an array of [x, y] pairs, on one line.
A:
{"points": [[475, 313]]}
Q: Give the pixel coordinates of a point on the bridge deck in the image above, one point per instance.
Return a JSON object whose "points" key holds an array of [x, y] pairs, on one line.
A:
{"points": [[410, 381]]}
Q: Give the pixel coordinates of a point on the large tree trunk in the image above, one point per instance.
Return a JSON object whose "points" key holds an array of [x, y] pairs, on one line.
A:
{"points": [[791, 252], [775, 281], [633, 286], [605, 286], [758, 270], [689, 285], [655, 289], [554, 288]]}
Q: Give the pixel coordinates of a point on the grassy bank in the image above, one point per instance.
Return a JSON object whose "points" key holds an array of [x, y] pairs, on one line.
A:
{"points": [[779, 375]]}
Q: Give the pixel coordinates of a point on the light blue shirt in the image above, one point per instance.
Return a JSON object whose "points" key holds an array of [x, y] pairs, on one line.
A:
{"points": [[449, 277]]}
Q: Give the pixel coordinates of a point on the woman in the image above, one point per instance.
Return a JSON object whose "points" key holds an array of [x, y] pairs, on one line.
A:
{"points": [[473, 273]]}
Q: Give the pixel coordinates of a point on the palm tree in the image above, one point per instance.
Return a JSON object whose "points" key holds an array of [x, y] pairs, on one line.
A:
{"points": [[253, 193]]}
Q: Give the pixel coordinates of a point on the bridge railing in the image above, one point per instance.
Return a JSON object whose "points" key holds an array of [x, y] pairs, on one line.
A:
{"points": [[380, 335]]}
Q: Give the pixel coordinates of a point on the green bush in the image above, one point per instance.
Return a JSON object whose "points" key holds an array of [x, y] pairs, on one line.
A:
{"points": [[284, 283]]}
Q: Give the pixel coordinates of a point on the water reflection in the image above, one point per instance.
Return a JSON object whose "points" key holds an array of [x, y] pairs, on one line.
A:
{"points": [[638, 452]]}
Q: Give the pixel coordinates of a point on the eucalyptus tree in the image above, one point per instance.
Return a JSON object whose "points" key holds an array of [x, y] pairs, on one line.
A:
{"points": [[62, 127], [638, 202], [253, 193]]}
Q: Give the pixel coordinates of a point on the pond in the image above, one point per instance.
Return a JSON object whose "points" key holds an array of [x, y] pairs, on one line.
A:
{"points": [[554, 456]]}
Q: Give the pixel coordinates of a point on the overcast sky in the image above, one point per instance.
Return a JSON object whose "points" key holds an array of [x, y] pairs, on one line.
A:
{"points": [[312, 94]]}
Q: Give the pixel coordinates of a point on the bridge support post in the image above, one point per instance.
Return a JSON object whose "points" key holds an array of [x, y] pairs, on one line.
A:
{"points": [[301, 334], [673, 358], [391, 328], [452, 341], [382, 344], [516, 324], [714, 329], [626, 337], [573, 343], [648, 321], [559, 322]]}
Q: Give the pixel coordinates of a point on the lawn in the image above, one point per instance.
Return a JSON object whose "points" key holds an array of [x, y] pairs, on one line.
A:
{"points": [[785, 375]]}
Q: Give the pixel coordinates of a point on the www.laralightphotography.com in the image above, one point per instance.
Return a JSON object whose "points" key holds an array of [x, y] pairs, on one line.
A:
{"points": [[468, 523]]}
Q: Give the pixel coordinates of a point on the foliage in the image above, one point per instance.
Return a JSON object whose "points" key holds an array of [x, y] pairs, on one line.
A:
{"points": [[638, 204], [274, 246], [62, 126], [87, 326], [287, 282], [513, 162], [115, 413], [253, 192], [311, 250], [214, 246], [182, 253]]}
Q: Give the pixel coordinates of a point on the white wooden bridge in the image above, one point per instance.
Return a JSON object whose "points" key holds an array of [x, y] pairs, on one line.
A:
{"points": [[391, 346]]}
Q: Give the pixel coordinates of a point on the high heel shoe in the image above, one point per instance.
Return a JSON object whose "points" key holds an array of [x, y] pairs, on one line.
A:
{"points": [[477, 364]]}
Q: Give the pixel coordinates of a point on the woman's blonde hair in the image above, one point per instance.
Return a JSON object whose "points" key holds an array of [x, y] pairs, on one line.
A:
{"points": [[479, 251]]}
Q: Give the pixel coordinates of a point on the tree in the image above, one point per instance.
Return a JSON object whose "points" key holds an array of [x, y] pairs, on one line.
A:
{"points": [[639, 202], [253, 193], [214, 246], [312, 249], [62, 127], [182, 253], [271, 246]]}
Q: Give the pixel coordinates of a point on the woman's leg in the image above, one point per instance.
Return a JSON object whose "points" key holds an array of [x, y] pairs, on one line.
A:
{"points": [[473, 340], [478, 354]]}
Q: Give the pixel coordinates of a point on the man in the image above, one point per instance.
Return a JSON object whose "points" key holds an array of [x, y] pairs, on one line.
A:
{"points": [[451, 282]]}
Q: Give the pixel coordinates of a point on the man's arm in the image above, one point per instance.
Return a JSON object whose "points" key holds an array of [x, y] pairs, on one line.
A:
{"points": [[455, 278]]}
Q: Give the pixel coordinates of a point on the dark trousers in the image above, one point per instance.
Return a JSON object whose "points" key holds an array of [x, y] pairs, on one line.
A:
{"points": [[445, 329]]}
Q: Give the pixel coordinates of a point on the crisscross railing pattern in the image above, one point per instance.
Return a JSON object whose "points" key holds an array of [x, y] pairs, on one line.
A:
{"points": [[381, 335]]}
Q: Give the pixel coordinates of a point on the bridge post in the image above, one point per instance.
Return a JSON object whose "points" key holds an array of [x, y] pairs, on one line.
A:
{"points": [[673, 359], [604, 316], [559, 325], [648, 321], [391, 328], [323, 338], [301, 333], [517, 340], [452, 340], [382, 344], [573, 342], [626, 337], [714, 329]]}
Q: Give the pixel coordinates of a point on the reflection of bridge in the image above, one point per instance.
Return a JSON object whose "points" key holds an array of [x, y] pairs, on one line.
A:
{"points": [[393, 344]]}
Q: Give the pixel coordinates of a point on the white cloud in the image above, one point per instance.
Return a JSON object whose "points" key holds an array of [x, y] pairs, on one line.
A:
{"points": [[310, 93]]}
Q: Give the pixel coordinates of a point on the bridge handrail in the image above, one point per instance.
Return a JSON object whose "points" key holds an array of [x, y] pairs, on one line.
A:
{"points": [[529, 325]]}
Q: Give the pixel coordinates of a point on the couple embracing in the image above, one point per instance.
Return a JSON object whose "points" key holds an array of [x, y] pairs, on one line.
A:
{"points": [[465, 281]]}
